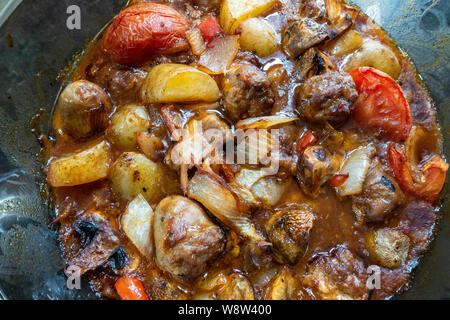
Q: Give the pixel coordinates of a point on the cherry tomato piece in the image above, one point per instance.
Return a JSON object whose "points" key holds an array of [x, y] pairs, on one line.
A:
{"points": [[143, 30], [433, 174], [210, 29], [382, 106], [338, 180], [307, 140]]}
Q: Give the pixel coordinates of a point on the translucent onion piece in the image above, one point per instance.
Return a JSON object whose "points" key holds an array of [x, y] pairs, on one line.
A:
{"points": [[356, 166], [220, 56], [137, 223], [264, 122]]}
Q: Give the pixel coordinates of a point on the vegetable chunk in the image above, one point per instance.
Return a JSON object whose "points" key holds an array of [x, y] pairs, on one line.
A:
{"points": [[233, 12], [170, 83], [83, 167], [145, 29], [137, 223]]}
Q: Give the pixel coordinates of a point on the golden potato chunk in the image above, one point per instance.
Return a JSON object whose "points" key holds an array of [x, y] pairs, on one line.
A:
{"points": [[170, 83], [233, 12], [83, 167], [258, 36]]}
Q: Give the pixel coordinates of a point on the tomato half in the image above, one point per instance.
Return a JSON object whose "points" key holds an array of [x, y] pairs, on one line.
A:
{"points": [[382, 106], [143, 30], [433, 174]]}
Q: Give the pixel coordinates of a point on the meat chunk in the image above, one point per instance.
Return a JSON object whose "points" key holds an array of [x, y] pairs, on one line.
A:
{"points": [[314, 9], [247, 92], [388, 247], [288, 229], [121, 82], [185, 238], [315, 167], [380, 196], [327, 98], [320, 20], [337, 275], [312, 63], [303, 34], [84, 109], [418, 222], [100, 241]]}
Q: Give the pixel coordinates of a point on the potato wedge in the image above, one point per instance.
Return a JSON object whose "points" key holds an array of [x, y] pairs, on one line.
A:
{"points": [[233, 12], [137, 223], [83, 167], [258, 36], [170, 83]]}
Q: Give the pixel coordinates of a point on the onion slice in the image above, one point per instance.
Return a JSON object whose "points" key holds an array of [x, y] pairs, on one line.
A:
{"points": [[264, 122], [356, 166], [218, 58], [222, 203], [137, 223]]}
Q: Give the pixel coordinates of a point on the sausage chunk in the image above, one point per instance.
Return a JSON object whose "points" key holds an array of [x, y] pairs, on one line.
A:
{"points": [[327, 98], [388, 247], [247, 92], [185, 238], [315, 168], [288, 229], [121, 82], [337, 275], [84, 109], [380, 196]]}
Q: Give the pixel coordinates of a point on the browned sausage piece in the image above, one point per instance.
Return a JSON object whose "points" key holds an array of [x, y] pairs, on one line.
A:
{"points": [[185, 238], [337, 275], [327, 98], [247, 92]]}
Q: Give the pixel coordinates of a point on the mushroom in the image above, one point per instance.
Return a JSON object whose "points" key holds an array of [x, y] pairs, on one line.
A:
{"points": [[316, 166], [388, 247], [84, 109], [288, 230]]}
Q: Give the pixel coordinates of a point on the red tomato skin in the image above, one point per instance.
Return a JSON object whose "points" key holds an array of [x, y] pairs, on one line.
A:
{"points": [[382, 106], [307, 140], [338, 180], [143, 30], [130, 288], [210, 29], [434, 173]]}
